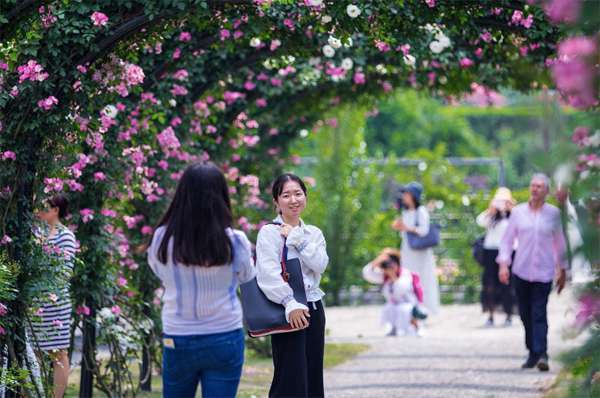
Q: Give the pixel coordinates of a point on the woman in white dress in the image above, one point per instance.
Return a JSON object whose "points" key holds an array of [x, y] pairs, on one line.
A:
{"points": [[415, 219]]}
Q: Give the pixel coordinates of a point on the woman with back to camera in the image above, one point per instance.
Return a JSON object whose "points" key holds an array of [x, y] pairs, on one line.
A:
{"points": [[298, 355], [495, 221], [52, 325], [415, 219], [200, 261]]}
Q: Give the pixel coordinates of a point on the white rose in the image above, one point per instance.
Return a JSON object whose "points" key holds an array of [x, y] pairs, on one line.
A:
{"points": [[255, 42], [443, 79], [410, 60], [381, 69], [333, 42], [304, 133], [173, 103], [267, 64], [353, 11], [595, 140], [347, 64], [348, 43], [443, 40], [106, 313], [325, 19], [436, 47], [312, 61], [328, 51], [110, 111]]}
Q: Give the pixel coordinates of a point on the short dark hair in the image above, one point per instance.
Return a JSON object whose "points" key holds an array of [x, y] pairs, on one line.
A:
{"points": [[280, 181], [61, 202], [197, 219], [393, 259]]}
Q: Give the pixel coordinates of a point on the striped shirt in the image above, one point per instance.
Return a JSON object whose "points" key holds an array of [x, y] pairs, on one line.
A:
{"points": [[202, 300], [52, 321]]}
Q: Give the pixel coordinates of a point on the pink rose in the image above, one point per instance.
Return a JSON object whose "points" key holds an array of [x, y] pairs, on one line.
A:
{"points": [[83, 310], [185, 36], [99, 19], [47, 103], [465, 63]]}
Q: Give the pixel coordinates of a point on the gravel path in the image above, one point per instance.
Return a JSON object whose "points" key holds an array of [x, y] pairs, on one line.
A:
{"points": [[457, 357]]}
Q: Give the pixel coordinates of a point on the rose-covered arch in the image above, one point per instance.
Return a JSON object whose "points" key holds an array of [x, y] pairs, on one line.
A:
{"points": [[108, 100]]}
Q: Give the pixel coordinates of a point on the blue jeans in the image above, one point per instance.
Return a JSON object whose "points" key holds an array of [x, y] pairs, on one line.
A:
{"points": [[214, 360]]}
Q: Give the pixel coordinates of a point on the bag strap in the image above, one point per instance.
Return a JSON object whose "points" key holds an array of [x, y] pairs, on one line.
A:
{"points": [[284, 252]]}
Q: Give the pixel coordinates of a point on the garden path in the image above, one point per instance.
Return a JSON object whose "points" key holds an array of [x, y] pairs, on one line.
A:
{"points": [[457, 357]]}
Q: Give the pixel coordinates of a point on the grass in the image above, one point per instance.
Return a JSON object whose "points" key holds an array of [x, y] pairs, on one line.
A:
{"points": [[256, 375]]}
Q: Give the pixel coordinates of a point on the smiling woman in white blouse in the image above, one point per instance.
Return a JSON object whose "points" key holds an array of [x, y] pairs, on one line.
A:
{"points": [[297, 356]]}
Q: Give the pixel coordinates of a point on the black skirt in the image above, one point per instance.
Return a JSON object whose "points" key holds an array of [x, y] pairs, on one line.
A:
{"points": [[494, 293]]}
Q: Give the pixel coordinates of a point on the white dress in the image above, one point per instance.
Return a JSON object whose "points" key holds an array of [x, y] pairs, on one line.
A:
{"points": [[421, 262]]}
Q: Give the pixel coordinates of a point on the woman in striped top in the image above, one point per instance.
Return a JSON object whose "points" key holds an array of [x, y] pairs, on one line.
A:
{"points": [[200, 261], [52, 323]]}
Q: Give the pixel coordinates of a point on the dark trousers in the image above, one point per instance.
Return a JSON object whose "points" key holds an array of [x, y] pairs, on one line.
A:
{"points": [[298, 359], [494, 292], [533, 300]]}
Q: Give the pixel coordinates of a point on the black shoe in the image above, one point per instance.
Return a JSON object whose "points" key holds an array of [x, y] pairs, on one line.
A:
{"points": [[542, 363], [392, 333], [531, 362]]}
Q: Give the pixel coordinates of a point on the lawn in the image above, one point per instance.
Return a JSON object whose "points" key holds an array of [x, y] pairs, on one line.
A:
{"points": [[256, 376]]}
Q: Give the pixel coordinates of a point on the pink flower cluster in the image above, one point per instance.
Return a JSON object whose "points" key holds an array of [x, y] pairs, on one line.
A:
{"points": [[518, 19], [6, 155], [382, 46], [168, 140], [87, 215], [231, 96], [563, 10], [581, 137], [99, 19], [31, 71], [47, 18], [574, 71], [47, 103], [83, 310], [133, 74], [185, 36]]}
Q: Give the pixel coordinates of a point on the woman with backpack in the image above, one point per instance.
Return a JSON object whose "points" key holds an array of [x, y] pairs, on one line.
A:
{"points": [[402, 291], [200, 261], [297, 355]]}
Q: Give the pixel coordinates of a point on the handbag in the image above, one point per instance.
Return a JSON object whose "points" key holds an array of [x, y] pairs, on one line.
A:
{"points": [[432, 238], [419, 313], [477, 249], [264, 317]]}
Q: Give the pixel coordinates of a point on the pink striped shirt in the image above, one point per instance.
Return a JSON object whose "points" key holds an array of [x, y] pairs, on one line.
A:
{"points": [[541, 243]]}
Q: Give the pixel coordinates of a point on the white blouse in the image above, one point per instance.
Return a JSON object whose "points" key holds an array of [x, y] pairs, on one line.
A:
{"points": [[397, 292], [202, 300], [494, 231], [305, 242]]}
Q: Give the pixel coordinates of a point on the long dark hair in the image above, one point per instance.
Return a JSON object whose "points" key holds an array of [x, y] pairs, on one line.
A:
{"points": [[197, 219]]}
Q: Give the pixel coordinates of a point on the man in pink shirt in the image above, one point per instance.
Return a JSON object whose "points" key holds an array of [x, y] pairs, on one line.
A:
{"points": [[537, 228]]}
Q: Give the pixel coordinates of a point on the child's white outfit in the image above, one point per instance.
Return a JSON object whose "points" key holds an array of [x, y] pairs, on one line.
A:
{"points": [[401, 296]]}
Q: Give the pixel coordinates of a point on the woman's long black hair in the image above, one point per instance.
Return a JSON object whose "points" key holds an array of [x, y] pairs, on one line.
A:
{"points": [[197, 219]]}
